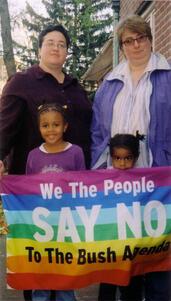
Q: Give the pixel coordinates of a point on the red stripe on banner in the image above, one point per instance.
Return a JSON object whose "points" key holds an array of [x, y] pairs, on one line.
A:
{"points": [[63, 282]]}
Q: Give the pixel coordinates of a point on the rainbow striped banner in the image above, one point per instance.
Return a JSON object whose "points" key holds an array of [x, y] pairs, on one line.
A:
{"points": [[73, 229]]}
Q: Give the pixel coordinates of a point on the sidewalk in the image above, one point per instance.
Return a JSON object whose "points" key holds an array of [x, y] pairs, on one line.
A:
{"points": [[85, 294], [6, 295]]}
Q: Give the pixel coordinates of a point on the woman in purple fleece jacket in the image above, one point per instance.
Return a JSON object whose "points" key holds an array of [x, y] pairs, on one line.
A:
{"points": [[136, 96]]}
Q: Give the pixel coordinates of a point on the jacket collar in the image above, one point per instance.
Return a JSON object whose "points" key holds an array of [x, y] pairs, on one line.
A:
{"points": [[40, 73], [157, 62]]}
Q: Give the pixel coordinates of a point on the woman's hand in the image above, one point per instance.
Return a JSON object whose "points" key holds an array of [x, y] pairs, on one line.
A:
{"points": [[2, 168]]}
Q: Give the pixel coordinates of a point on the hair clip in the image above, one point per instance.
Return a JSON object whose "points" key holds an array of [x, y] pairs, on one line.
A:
{"points": [[39, 107], [139, 136]]}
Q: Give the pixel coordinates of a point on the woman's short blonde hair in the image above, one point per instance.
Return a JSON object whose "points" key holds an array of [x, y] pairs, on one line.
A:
{"points": [[135, 24]]}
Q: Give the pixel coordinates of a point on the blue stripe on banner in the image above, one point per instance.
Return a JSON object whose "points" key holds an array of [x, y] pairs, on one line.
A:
{"points": [[105, 216], [21, 202]]}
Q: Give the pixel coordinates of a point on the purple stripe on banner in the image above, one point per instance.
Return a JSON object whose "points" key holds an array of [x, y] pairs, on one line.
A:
{"points": [[161, 176]]}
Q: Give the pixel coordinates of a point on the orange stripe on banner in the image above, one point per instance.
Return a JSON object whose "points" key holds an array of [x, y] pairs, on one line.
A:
{"points": [[56, 282]]}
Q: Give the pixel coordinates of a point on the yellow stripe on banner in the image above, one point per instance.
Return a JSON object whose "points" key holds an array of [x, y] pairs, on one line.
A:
{"points": [[17, 247], [81, 258], [14, 266], [75, 268]]}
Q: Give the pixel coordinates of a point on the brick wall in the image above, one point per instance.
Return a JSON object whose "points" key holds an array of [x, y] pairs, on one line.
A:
{"points": [[128, 7], [163, 28]]}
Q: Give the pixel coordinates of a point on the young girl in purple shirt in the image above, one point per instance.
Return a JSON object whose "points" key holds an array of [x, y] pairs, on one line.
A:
{"points": [[54, 155]]}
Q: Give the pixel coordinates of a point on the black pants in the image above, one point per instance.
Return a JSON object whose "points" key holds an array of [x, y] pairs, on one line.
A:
{"points": [[27, 295], [132, 292], [107, 292], [157, 286]]}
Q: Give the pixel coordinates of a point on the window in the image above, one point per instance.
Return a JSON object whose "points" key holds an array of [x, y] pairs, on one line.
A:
{"points": [[149, 16]]}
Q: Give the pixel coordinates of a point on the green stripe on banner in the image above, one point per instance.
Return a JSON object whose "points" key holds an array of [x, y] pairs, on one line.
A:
{"points": [[108, 231]]}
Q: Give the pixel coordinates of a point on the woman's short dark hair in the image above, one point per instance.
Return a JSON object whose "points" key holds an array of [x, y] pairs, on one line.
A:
{"points": [[127, 141], [51, 28]]}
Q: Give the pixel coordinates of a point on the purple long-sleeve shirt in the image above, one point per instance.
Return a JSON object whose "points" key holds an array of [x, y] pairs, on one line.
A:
{"points": [[71, 158]]}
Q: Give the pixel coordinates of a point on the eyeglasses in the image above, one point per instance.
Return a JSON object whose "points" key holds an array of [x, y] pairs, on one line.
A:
{"points": [[130, 41], [52, 44], [125, 159]]}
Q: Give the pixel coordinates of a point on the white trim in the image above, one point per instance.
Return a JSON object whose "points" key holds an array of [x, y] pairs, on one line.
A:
{"points": [[149, 16], [42, 148]]}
